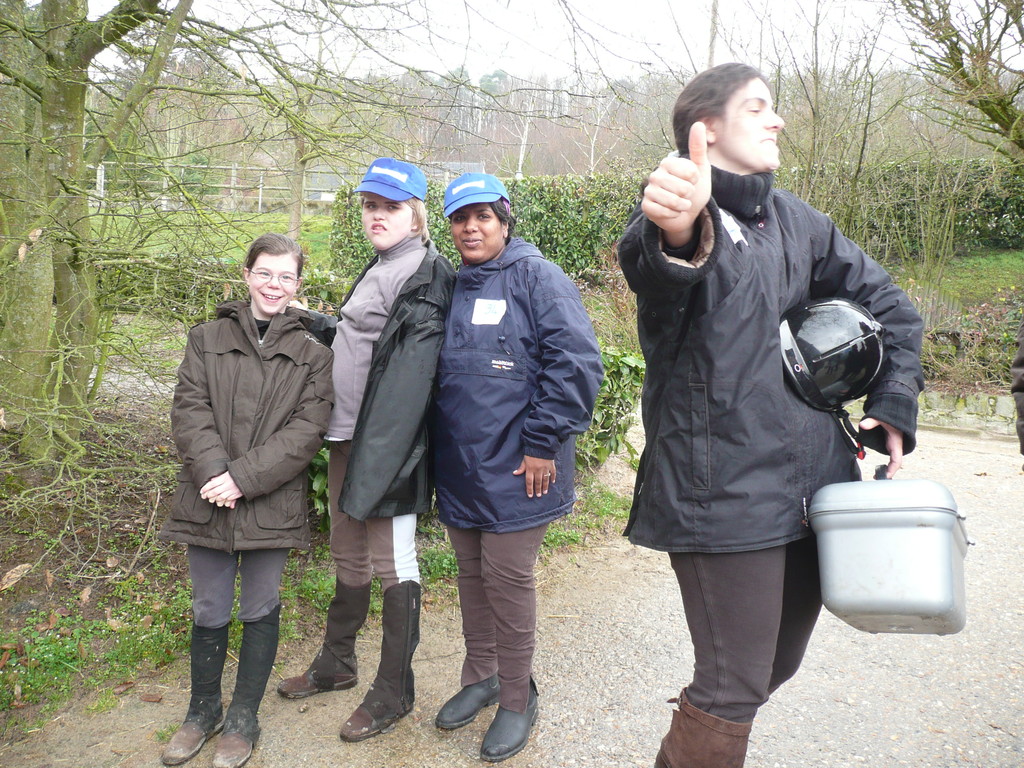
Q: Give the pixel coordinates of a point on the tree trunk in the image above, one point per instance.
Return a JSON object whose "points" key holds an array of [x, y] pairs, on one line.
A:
{"points": [[297, 185]]}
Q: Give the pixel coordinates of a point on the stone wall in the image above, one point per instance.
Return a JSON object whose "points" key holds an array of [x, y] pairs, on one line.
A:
{"points": [[995, 414]]}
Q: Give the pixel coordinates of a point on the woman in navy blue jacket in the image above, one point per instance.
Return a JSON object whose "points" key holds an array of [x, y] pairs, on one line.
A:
{"points": [[517, 379]]}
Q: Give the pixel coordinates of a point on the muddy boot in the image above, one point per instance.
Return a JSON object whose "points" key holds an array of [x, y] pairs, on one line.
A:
{"points": [[699, 740], [209, 648], [391, 696], [255, 662], [334, 668]]}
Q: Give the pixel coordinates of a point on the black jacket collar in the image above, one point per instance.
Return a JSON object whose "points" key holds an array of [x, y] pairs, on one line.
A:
{"points": [[744, 196]]}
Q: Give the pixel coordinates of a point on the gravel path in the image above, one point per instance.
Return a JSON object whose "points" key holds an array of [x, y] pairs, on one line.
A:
{"points": [[613, 648]]}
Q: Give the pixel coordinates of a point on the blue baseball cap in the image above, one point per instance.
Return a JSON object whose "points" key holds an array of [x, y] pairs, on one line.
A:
{"points": [[394, 180], [472, 188]]}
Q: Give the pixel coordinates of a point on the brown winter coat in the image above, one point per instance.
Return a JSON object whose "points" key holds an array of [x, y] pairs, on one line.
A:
{"points": [[258, 410], [1017, 383]]}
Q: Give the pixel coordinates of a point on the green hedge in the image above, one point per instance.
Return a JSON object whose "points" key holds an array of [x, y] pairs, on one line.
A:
{"points": [[573, 220], [895, 209]]}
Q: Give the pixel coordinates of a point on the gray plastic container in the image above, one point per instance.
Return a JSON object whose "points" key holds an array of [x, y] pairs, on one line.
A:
{"points": [[891, 555]]}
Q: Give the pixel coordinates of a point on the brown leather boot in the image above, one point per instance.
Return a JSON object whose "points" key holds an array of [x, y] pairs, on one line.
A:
{"points": [[334, 668], [392, 693], [699, 740]]}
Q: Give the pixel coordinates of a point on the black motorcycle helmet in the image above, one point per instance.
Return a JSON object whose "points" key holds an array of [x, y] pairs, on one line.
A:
{"points": [[831, 350]]}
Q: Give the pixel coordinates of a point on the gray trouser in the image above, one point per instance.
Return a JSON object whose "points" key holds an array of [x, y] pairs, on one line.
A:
{"points": [[213, 583], [498, 599], [750, 615], [383, 546]]}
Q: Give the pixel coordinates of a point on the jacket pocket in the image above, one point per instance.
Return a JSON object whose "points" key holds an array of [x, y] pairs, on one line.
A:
{"points": [[189, 506], [700, 461], [282, 510], [409, 478]]}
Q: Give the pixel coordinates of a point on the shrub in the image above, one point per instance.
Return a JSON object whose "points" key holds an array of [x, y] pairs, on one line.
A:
{"points": [[573, 220], [613, 413]]}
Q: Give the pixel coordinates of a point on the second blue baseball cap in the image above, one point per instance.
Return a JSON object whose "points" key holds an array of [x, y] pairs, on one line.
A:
{"points": [[472, 188], [394, 180]]}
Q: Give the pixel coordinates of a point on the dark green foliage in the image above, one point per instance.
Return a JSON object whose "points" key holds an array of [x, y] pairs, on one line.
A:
{"points": [[613, 413], [573, 220], [318, 494]]}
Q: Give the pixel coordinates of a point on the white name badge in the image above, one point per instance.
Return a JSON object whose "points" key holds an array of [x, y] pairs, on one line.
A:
{"points": [[488, 311], [732, 227]]}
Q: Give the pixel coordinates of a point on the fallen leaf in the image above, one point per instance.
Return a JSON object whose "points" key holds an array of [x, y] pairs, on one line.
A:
{"points": [[14, 575], [85, 596], [34, 234], [115, 625], [3, 421], [122, 687], [112, 562], [46, 626], [146, 622], [152, 698], [22, 250], [4, 659], [49, 579]]}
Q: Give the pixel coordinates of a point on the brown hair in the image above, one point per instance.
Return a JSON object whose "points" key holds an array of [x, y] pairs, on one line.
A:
{"points": [[705, 97], [274, 244]]}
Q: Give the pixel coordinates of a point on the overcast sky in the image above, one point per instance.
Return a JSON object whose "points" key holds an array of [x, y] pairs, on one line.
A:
{"points": [[557, 37]]}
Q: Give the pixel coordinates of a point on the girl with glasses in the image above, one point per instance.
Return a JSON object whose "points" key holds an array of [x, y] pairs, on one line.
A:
{"points": [[251, 404]]}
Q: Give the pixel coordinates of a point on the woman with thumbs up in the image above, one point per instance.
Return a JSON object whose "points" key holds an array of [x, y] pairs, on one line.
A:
{"points": [[717, 255]]}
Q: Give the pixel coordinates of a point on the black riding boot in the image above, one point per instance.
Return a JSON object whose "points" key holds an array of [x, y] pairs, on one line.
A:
{"points": [[334, 668], [392, 694], [209, 648], [255, 662]]}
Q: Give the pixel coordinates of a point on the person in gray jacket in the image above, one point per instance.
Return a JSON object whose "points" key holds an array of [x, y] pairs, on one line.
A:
{"points": [[387, 339], [716, 256], [250, 409], [1017, 384]]}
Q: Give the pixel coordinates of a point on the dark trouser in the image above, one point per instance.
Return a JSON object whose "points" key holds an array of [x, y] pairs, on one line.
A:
{"points": [[750, 615], [498, 599], [213, 575]]}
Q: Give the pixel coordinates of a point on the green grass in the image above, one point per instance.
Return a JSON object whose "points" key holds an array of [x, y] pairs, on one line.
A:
{"points": [[984, 277], [54, 653]]}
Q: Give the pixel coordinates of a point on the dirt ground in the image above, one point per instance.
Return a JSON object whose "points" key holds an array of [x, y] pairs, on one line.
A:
{"points": [[612, 648]]}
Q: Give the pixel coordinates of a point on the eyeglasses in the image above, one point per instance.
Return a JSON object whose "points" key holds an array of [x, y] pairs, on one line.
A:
{"points": [[287, 280]]}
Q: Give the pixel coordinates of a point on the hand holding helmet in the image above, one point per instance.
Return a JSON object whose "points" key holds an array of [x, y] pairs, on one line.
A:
{"points": [[832, 351]]}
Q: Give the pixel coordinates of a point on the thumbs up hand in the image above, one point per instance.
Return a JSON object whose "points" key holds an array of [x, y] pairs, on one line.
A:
{"points": [[679, 189]]}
